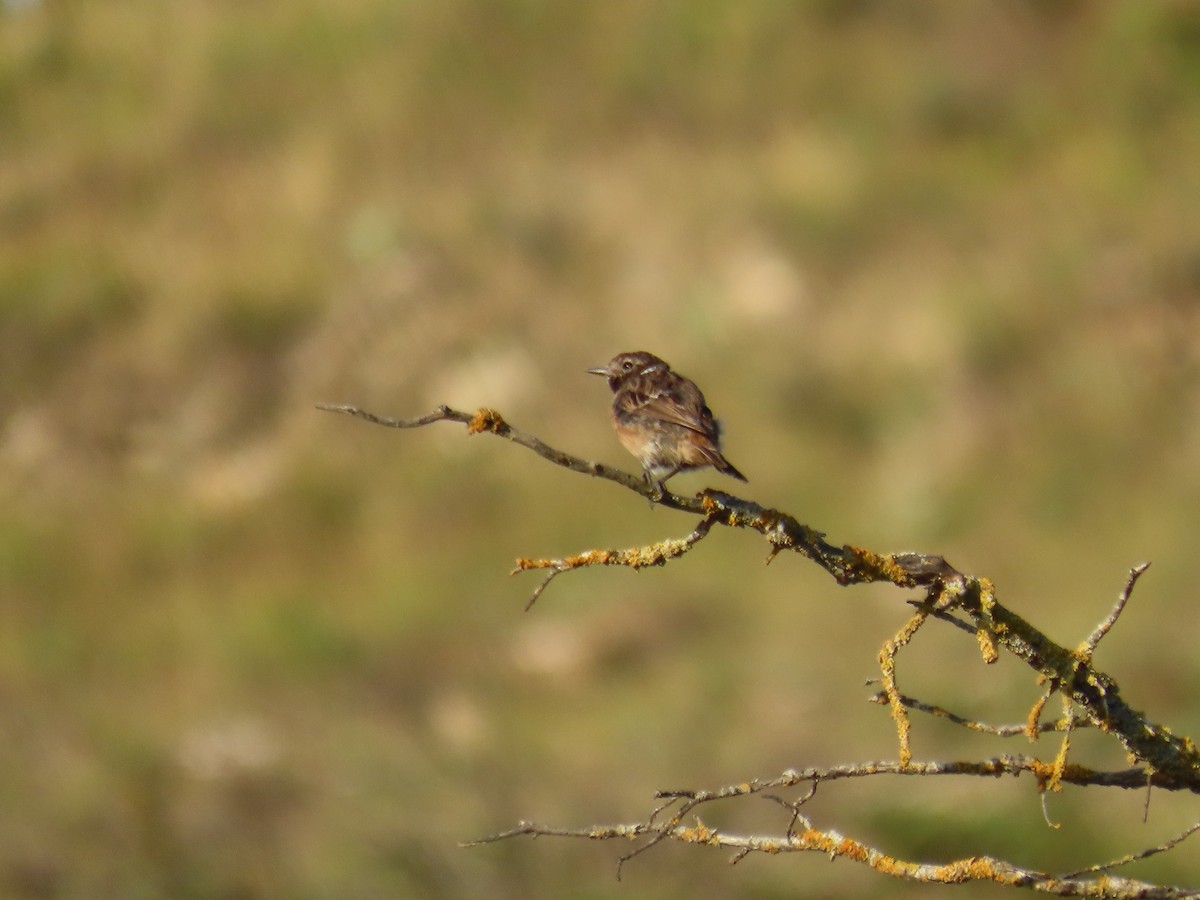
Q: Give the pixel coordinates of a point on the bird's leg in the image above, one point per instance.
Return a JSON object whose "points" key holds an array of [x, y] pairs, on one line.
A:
{"points": [[655, 485], [659, 485]]}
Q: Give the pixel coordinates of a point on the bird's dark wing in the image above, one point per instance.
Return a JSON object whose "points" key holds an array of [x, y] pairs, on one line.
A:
{"points": [[676, 401]]}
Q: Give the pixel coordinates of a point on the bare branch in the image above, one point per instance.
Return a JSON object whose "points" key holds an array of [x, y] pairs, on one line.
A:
{"points": [[996, 767], [999, 730], [793, 806], [486, 420], [1089, 646], [1135, 857]]}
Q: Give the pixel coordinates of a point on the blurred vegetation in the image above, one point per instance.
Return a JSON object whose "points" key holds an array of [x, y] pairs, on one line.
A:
{"points": [[936, 264]]}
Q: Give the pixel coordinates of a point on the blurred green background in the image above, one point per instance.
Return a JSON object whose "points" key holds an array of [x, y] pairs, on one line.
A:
{"points": [[936, 265]]}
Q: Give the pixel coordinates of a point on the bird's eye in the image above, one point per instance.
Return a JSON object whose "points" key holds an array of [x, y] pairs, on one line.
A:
{"points": [[627, 365]]}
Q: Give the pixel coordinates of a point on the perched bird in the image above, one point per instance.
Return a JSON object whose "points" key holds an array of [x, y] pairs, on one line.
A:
{"points": [[661, 418]]}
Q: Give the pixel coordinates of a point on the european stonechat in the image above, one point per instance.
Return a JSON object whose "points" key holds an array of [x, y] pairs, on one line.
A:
{"points": [[661, 418]]}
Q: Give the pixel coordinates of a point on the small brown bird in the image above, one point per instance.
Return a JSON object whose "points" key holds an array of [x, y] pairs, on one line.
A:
{"points": [[661, 418]]}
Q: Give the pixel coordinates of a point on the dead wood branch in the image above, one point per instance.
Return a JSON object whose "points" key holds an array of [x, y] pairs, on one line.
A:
{"points": [[1090, 697], [802, 836]]}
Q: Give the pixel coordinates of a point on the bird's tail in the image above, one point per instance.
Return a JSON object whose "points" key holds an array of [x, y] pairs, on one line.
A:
{"points": [[728, 468]]}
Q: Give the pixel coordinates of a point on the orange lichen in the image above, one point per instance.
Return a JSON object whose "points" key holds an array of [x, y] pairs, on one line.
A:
{"points": [[699, 834], [987, 646], [851, 849], [871, 566], [486, 419], [1054, 783], [1035, 715], [982, 869]]}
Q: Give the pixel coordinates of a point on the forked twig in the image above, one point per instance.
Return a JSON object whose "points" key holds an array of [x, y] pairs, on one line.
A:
{"points": [[656, 554], [1135, 857]]}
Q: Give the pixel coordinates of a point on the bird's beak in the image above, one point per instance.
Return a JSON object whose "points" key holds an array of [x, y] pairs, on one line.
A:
{"points": [[599, 370]]}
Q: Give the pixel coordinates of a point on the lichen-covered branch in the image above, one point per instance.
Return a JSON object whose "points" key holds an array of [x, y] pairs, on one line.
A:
{"points": [[1091, 698], [489, 421], [835, 845], [1174, 760], [676, 820], [655, 554]]}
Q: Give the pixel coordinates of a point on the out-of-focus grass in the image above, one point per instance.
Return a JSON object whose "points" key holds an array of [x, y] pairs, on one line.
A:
{"points": [[935, 265]]}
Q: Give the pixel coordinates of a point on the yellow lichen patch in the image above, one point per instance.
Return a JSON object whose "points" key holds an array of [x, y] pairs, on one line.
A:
{"points": [[1051, 776], [897, 868], [987, 646], [650, 555], [851, 849], [1035, 714], [983, 869], [587, 558], [486, 419], [699, 834], [987, 593], [812, 839], [887, 668], [871, 566], [1054, 783]]}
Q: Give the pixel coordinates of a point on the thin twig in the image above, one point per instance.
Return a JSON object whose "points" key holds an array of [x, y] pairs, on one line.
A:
{"points": [[999, 730], [793, 806], [1089, 646], [808, 838], [995, 767], [1135, 857], [487, 420]]}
